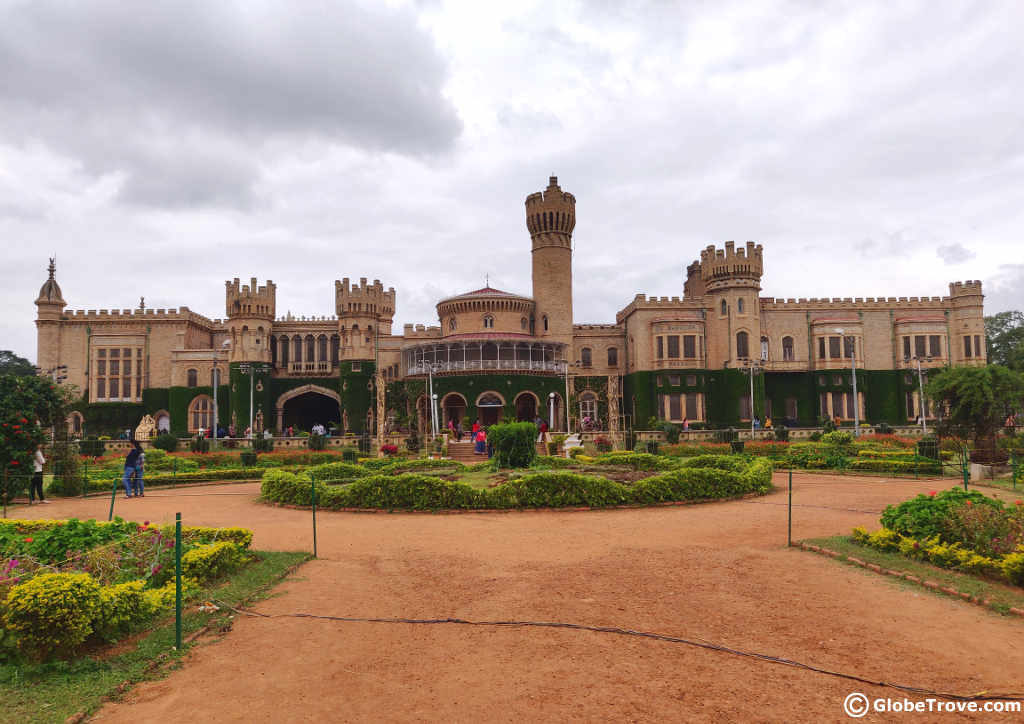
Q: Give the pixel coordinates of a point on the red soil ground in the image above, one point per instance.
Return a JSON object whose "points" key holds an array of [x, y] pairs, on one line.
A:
{"points": [[720, 572]]}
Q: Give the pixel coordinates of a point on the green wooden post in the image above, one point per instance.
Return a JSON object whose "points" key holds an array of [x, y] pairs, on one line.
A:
{"points": [[113, 496], [85, 479], [174, 471], [312, 484], [789, 533], [177, 581]]}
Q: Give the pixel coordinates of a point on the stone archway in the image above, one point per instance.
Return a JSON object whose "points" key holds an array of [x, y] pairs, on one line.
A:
{"points": [[527, 406], [453, 407], [489, 406], [316, 408]]}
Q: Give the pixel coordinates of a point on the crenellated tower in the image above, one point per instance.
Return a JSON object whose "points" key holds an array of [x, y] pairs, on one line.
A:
{"points": [[551, 217], [250, 315], [967, 320], [731, 280], [49, 309], [364, 312]]}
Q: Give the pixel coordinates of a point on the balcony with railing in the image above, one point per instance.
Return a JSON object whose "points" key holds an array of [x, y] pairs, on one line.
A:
{"points": [[309, 369], [491, 355]]}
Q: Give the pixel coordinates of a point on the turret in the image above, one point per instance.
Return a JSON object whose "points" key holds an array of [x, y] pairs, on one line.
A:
{"points": [[551, 217], [967, 322], [250, 314], [49, 309], [365, 311], [731, 279]]}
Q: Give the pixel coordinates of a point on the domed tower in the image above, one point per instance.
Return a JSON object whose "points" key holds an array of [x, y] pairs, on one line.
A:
{"points": [[731, 279], [364, 312], [250, 312], [49, 309], [551, 217]]}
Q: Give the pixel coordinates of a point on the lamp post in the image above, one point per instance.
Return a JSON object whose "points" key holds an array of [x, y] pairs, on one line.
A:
{"points": [[920, 387], [751, 366], [853, 365], [433, 398], [551, 407], [216, 385], [565, 362], [252, 369]]}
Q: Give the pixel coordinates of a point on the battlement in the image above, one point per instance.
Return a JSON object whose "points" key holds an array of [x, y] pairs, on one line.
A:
{"points": [[421, 331], [250, 300], [183, 314], [642, 302], [854, 303], [364, 299], [743, 263], [551, 211], [597, 327], [964, 289]]}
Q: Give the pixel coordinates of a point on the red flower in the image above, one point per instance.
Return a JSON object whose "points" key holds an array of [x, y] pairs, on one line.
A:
{"points": [[1020, 502], [15, 462], [145, 522], [970, 503], [931, 493], [17, 427], [29, 540], [23, 421]]}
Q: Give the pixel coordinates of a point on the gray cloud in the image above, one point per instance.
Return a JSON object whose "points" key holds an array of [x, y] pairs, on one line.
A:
{"points": [[1005, 292], [955, 253], [183, 98]]}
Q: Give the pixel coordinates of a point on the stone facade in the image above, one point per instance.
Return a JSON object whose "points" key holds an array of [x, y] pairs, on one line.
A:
{"points": [[717, 354]]}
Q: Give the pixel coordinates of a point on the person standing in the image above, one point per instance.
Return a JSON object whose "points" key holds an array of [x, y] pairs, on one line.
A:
{"points": [[130, 463], [137, 486], [36, 486], [458, 431]]}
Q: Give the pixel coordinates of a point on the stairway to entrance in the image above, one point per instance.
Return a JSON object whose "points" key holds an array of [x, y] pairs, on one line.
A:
{"points": [[463, 452]]}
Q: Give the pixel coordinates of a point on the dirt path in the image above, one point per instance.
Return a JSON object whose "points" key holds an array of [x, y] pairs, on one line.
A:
{"points": [[719, 572]]}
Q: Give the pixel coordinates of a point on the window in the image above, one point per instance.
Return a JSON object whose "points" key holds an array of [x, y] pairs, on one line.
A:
{"points": [[335, 342], [588, 406], [661, 347], [284, 351], [739, 306], [613, 357], [787, 349], [837, 380], [791, 408], [675, 410], [273, 350], [523, 323], [488, 321], [833, 347], [848, 347], [821, 380], [200, 413], [193, 378], [691, 406], [660, 380], [837, 404], [452, 324], [545, 323], [101, 389], [357, 366], [967, 346], [297, 345], [724, 308], [977, 346], [673, 347], [906, 348], [673, 380], [919, 346], [742, 345], [689, 346], [823, 405], [585, 357], [691, 380], [934, 345], [764, 348], [821, 348], [744, 407], [310, 348]]}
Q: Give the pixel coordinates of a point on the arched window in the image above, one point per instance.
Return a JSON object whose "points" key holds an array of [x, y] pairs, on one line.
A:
{"points": [[585, 357], [193, 378], [545, 323], [273, 350], [742, 345], [452, 324], [310, 348], [297, 348], [335, 342], [764, 348], [200, 413], [488, 321], [739, 305], [523, 323], [322, 345], [725, 307], [284, 351], [613, 357], [787, 348], [588, 410]]}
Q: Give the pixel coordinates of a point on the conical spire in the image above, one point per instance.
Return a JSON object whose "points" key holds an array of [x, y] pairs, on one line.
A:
{"points": [[50, 292]]}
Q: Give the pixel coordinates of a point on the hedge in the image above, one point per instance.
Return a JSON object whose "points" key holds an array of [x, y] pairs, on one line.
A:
{"points": [[337, 472], [189, 533], [923, 466], [637, 461], [198, 476], [705, 480], [514, 443], [206, 562]]}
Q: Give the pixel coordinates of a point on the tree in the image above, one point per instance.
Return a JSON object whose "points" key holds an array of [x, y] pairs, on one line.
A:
{"points": [[12, 364], [976, 401], [28, 406], [1005, 335]]}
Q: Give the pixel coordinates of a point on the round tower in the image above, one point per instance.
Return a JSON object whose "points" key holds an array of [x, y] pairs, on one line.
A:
{"points": [[250, 312], [551, 217], [49, 309], [967, 323], [731, 279]]}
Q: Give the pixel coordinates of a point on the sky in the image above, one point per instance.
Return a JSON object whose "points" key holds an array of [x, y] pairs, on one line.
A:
{"points": [[159, 149]]}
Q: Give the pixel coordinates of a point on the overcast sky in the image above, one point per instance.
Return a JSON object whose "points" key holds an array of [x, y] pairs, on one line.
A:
{"points": [[873, 149]]}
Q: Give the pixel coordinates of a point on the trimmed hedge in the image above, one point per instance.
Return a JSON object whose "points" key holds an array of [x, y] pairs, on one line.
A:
{"points": [[922, 466], [636, 460], [337, 472], [212, 560], [514, 443], [708, 478]]}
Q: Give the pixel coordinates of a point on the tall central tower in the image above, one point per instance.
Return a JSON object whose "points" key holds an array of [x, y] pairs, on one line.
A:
{"points": [[551, 217]]}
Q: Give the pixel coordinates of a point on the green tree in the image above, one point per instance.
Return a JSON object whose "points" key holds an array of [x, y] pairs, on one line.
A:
{"points": [[1005, 335], [12, 364], [976, 401], [29, 405]]}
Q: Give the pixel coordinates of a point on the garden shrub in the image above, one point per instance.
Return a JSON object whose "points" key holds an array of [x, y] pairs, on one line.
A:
{"points": [[514, 444], [248, 458], [408, 466], [556, 490], [259, 444], [316, 442], [814, 436], [206, 562], [924, 515], [121, 605], [91, 447], [603, 444], [349, 454], [555, 444], [548, 461], [722, 462], [782, 433], [576, 452], [199, 444], [337, 472], [1013, 566], [52, 613], [410, 491], [166, 442], [637, 461], [242, 537], [921, 467]]}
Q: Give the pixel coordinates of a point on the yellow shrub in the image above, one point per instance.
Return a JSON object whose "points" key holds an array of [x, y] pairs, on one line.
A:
{"points": [[861, 534], [120, 605], [884, 540], [53, 613], [210, 561], [156, 599], [1013, 566]]}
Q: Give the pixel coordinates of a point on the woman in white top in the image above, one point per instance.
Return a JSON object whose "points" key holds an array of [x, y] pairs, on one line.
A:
{"points": [[36, 485]]}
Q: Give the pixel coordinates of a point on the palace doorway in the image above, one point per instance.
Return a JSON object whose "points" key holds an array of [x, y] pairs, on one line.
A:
{"points": [[488, 408], [309, 405], [526, 407], [453, 407]]}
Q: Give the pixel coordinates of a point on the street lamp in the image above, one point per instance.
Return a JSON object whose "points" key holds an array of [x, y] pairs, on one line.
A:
{"points": [[431, 368], [252, 369], [216, 384], [853, 365], [565, 369], [551, 407], [920, 387], [752, 366]]}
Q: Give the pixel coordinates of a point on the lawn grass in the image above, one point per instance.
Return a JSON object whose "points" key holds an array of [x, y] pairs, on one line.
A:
{"points": [[1003, 596], [477, 478], [54, 691]]}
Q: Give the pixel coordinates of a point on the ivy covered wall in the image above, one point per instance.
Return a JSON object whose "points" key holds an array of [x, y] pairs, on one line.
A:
{"points": [[357, 394]]}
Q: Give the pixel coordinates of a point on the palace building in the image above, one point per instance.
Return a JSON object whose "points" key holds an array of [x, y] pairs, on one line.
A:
{"points": [[716, 355]]}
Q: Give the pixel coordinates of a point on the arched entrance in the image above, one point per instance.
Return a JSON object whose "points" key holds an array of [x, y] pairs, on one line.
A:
{"points": [[488, 408], [306, 406], [453, 407], [526, 407]]}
